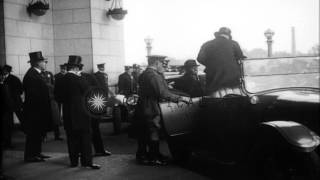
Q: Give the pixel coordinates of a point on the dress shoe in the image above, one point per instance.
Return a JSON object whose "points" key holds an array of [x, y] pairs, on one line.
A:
{"points": [[92, 166], [34, 159], [158, 162], [104, 153], [43, 156]]}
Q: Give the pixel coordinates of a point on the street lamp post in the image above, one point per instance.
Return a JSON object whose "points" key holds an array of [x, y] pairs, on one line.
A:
{"points": [[268, 34], [148, 40]]}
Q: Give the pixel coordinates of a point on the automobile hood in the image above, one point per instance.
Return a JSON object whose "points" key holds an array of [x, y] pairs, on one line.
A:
{"points": [[297, 95]]}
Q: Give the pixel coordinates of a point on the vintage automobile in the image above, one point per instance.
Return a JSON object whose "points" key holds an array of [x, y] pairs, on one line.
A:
{"points": [[269, 132]]}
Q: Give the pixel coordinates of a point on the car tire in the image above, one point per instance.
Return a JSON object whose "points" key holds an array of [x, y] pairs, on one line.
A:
{"points": [[288, 165], [117, 119]]}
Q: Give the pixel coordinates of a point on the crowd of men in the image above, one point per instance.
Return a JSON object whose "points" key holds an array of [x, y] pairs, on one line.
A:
{"points": [[51, 99]]}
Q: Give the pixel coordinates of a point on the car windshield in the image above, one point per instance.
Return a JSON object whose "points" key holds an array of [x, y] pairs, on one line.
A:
{"points": [[273, 73]]}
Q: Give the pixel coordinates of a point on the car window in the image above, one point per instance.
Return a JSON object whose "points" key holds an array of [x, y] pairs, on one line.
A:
{"points": [[274, 73]]}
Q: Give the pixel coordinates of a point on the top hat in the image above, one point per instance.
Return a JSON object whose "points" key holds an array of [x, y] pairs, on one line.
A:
{"points": [[136, 66], [36, 57], [100, 65], [74, 61], [7, 68], [190, 63]]}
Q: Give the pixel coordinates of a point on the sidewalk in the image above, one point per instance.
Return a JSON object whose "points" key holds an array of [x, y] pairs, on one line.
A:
{"points": [[121, 165]]}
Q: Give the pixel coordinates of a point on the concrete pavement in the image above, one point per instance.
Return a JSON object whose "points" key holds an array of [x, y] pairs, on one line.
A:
{"points": [[121, 165]]}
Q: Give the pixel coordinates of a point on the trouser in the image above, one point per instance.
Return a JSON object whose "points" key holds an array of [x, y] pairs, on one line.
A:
{"points": [[79, 145], [7, 128], [56, 131], [33, 144], [96, 136]]}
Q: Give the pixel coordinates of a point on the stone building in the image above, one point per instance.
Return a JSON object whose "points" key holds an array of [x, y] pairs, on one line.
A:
{"points": [[69, 27]]}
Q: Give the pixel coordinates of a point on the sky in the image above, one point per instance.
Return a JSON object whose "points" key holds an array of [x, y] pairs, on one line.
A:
{"points": [[179, 27]]}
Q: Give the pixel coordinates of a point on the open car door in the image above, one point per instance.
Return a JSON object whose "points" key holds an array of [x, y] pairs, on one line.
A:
{"points": [[179, 118]]}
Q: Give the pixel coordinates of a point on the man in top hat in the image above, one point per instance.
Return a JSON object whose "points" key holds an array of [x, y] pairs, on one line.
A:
{"points": [[36, 108], [147, 121], [190, 82], [95, 122], [15, 89], [70, 91], [102, 77], [222, 69]]}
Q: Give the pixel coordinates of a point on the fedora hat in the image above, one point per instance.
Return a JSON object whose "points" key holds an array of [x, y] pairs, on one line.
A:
{"points": [[190, 63], [101, 65], [7, 68], [74, 61], [36, 57]]}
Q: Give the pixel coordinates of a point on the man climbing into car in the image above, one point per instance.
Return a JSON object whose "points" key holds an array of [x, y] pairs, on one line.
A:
{"points": [[220, 57]]}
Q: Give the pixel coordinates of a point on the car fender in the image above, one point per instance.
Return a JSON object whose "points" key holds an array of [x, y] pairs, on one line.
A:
{"points": [[297, 135]]}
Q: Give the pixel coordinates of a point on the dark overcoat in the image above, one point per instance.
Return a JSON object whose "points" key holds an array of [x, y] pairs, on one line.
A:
{"points": [[70, 91], [135, 82], [125, 84], [153, 89], [102, 79], [16, 89], [222, 69], [36, 108], [190, 84]]}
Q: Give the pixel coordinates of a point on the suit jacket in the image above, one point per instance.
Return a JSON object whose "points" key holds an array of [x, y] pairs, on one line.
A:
{"points": [[16, 89], [102, 79], [36, 108], [70, 91], [219, 56], [58, 76], [125, 84]]}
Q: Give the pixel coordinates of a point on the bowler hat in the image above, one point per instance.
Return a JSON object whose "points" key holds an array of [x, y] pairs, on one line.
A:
{"points": [[74, 61], [7, 68], [225, 30], [36, 57], [190, 63]]}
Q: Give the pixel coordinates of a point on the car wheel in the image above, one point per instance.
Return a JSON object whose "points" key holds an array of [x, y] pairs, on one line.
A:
{"points": [[117, 119], [297, 166], [179, 150]]}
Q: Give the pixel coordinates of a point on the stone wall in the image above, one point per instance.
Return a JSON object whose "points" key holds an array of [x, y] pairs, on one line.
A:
{"points": [[24, 34], [2, 37], [72, 31], [107, 40], [70, 27]]}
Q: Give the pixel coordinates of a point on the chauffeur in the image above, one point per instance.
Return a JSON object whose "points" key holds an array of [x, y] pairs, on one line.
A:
{"points": [[147, 122], [190, 82], [36, 108], [70, 91]]}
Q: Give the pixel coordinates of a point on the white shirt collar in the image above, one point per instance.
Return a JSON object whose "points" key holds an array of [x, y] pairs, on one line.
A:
{"points": [[37, 69], [74, 72]]}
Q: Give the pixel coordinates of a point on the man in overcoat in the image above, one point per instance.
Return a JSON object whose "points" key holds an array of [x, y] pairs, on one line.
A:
{"points": [[147, 123], [15, 89], [136, 71], [95, 122], [36, 108], [70, 91], [190, 82], [220, 56], [102, 77], [125, 82]]}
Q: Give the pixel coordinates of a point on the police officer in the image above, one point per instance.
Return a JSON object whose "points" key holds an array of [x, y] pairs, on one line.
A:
{"points": [[125, 82], [147, 123], [190, 82], [70, 91], [102, 77], [36, 108]]}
